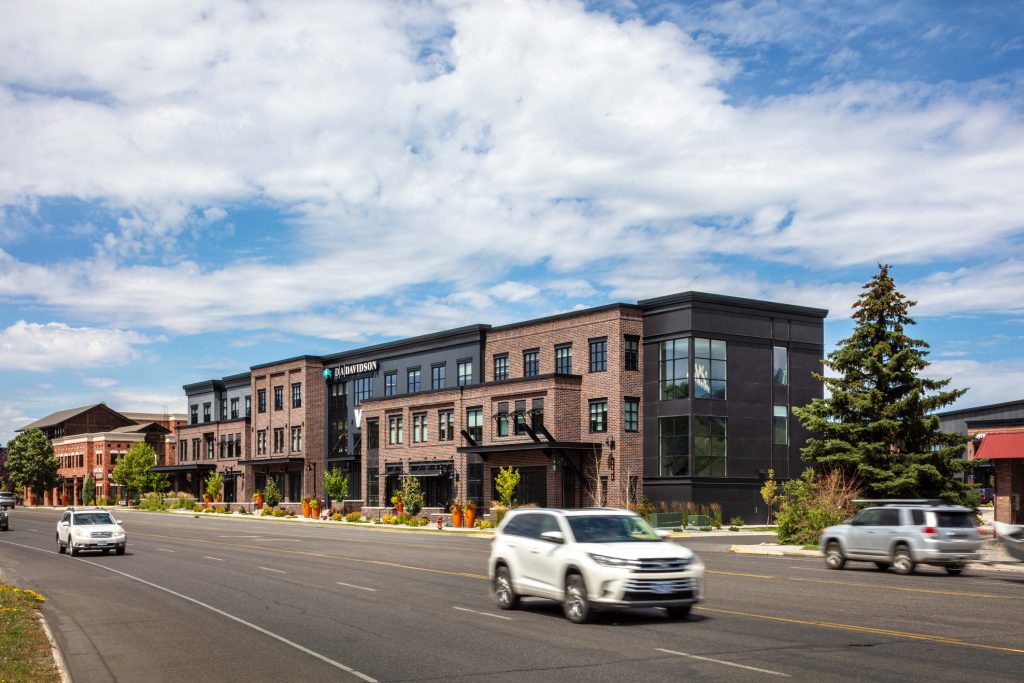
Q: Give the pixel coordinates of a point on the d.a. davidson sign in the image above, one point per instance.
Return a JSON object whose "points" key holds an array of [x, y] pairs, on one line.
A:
{"points": [[355, 369]]}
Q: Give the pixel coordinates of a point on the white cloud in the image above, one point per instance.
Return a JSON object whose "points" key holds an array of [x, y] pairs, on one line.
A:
{"points": [[38, 347], [100, 382], [987, 381], [11, 419]]}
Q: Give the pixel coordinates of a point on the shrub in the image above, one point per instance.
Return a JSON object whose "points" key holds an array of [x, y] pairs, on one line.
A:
{"points": [[412, 496], [811, 503], [736, 521], [497, 513], [483, 524], [279, 513], [242, 511], [152, 502], [403, 518], [714, 511], [417, 521], [388, 519], [336, 484], [197, 508], [353, 517], [186, 502], [734, 528], [271, 494], [267, 512], [644, 508], [336, 516], [506, 483], [208, 511]]}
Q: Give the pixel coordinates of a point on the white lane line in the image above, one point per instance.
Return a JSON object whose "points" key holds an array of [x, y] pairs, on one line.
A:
{"points": [[216, 559], [272, 570], [233, 536], [362, 588], [722, 661], [165, 550], [255, 627], [484, 614]]}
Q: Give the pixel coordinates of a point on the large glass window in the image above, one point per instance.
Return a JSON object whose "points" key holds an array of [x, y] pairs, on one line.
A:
{"points": [[279, 440], [362, 389], [372, 486], [501, 368], [234, 408], [674, 444], [598, 355], [674, 368], [437, 378], [780, 425], [631, 353], [465, 372], [419, 428], [297, 395], [223, 409], [413, 381], [780, 366], [520, 417], [296, 439], [372, 436], [261, 442], [248, 405], [206, 412], [278, 398], [599, 415], [631, 415], [446, 425], [709, 368], [395, 436], [390, 383], [563, 359], [502, 418], [261, 400], [193, 413], [537, 414], [531, 363], [709, 446], [475, 424]]}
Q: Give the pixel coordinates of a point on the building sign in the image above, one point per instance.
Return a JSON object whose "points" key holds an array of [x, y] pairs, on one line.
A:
{"points": [[97, 473], [344, 371]]}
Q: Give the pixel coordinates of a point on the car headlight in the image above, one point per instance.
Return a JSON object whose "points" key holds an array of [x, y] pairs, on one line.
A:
{"points": [[606, 561], [77, 532]]}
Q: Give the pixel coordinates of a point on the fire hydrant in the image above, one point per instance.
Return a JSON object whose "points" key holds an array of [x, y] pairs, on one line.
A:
{"points": [[440, 521]]}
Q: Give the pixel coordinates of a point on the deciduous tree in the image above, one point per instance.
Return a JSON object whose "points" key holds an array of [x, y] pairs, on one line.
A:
{"points": [[30, 462]]}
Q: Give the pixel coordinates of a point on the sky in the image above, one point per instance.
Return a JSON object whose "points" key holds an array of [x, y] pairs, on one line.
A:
{"points": [[191, 188]]}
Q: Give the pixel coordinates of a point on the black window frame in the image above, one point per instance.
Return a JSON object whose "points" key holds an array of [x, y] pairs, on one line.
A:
{"points": [[501, 417], [501, 367], [563, 359], [279, 397], [598, 415], [261, 400], [717, 372], [631, 352], [704, 444], [413, 387], [234, 408], [464, 372], [362, 389], [531, 362], [599, 354], [631, 414], [674, 446], [476, 432], [296, 394], [438, 377], [391, 383]]}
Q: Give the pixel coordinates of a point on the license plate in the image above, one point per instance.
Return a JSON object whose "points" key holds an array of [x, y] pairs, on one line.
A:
{"points": [[664, 587], [102, 543]]}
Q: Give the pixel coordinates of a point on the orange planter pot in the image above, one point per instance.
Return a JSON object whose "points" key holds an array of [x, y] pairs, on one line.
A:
{"points": [[470, 518], [259, 502], [400, 508], [305, 509], [64, 499], [314, 512], [457, 519]]}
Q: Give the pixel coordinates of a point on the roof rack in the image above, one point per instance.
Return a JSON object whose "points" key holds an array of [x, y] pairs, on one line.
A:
{"points": [[899, 501]]}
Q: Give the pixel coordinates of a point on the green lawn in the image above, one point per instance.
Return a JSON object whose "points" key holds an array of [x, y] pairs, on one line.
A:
{"points": [[25, 655]]}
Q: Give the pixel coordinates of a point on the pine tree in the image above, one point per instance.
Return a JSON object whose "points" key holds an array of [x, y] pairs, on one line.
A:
{"points": [[878, 424]]}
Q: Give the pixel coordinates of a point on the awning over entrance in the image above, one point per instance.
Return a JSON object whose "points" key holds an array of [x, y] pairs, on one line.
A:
{"points": [[532, 447], [194, 467], [1001, 445], [287, 460]]}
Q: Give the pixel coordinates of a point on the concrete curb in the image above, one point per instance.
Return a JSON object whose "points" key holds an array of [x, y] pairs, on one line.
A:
{"points": [[58, 657]]}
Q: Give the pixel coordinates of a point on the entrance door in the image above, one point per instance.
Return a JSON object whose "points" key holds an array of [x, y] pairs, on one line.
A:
{"points": [[533, 486]]}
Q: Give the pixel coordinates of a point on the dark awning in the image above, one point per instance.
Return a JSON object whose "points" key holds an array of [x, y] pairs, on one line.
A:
{"points": [[532, 446], [287, 460], [193, 467]]}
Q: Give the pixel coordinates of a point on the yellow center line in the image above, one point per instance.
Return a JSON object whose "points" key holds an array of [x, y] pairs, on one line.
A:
{"points": [[865, 629], [984, 596], [307, 553]]}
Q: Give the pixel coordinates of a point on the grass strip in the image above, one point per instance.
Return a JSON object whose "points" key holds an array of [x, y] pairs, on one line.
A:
{"points": [[25, 654]]}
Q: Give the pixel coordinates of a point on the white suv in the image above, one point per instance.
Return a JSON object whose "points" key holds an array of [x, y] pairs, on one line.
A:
{"points": [[591, 559], [90, 529]]}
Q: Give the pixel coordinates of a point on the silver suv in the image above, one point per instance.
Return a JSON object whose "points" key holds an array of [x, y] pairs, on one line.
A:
{"points": [[903, 534], [90, 529], [591, 559], [7, 499]]}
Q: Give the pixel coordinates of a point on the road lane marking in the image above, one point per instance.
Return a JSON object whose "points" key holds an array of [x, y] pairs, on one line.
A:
{"points": [[272, 570], [984, 596], [484, 614], [165, 550], [864, 629], [255, 627], [722, 661], [216, 559], [362, 588], [753, 576]]}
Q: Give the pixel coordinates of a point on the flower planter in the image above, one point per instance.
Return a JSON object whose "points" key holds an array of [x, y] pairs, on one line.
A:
{"points": [[258, 500], [305, 509], [457, 519], [315, 511], [64, 499], [470, 517]]}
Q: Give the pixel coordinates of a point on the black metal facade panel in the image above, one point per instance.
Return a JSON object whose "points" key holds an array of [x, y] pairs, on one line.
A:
{"points": [[955, 421]]}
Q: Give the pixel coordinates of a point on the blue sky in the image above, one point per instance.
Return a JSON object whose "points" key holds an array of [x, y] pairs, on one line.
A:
{"points": [[188, 190]]}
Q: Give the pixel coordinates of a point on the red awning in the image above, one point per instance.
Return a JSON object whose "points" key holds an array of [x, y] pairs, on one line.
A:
{"points": [[1001, 445]]}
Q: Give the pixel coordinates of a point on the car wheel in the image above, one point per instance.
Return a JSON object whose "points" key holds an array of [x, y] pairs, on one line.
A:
{"points": [[73, 549], [955, 570], [106, 550], [577, 604], [883, 566], [504, 594], [834, 556], [120, 551], [679, 613], [902, 562], [60, 547]]}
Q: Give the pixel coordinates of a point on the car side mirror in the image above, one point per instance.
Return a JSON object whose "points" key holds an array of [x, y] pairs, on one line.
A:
{"points": [[664, 534], [117, 521], [553, 536], [65, 523]]}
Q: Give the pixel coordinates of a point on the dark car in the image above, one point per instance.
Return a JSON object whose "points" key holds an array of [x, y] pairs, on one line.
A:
{"points": [[6, 499], [4, 522], [987, 494]]}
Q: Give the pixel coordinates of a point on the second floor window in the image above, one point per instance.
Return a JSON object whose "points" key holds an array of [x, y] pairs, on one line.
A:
{"points": [[500, 368], [390, 383], [520, 423], [446, 425], [279, 440], [780, 425], [278, 398], [599, 415], [395, 436], [437, 377], [631, 415], [563, 360], [674, 446], [537, 414], [195, 450], [465, 372], [598, 355], [631, 353], [531, 363], [261, 442], [362, 389], [419, 428], [709, 365], [234, 408], [261, 400], [475, 424], [502, 418], [709, 446], [296, 439], [297, 395], [206, 412]]}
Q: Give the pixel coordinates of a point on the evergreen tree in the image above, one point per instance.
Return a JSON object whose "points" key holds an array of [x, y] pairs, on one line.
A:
{"points": [[89, 490], [30, 462], [878, 426]]}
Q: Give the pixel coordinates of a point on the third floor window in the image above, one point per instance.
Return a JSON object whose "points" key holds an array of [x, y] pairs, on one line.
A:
{"points": [[709, 368], [261, 400], [206, 412], [390, 383], [563, 360], [413, 381], [598, 355], [278, 398], [531, 363], [234, 408], [297, 395], [465, 372], [631, 353], [500, 368], [437, 378]]}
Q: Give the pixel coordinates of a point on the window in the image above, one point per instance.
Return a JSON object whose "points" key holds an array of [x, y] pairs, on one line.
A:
{"points": [[599, 415], [234, 408], [279, 440], [238, 443], [297, 395], [674, 368], [709, 368], [296, 439], [193, 413], [195, 451], [598, 355], [419, 428], [465, 372], [780, 366], [446, 425], [372, 436], [413, 384], [537, 414], [261, 400], [223, 409], [437, 373], [248, 405], [223, 445], [362, 389], [501, 368], [531, 363], [390, 383], [261, 442], [780, 425], [395, 430], [181, 456], [206, 412], [563, 359], [631, 416], [502, 418], [475, 424], [520, 417], [631, 353], [889, 517], [209, 448], [674, 445], [278, 398], [709, 446]]}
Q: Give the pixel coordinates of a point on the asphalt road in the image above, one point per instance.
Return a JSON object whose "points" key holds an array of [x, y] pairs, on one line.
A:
{"points": [[215, 599]]}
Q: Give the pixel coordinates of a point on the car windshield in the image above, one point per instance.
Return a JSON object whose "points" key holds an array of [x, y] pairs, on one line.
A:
{"points": [[954, 520], [611, 529], [93, 518]]}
